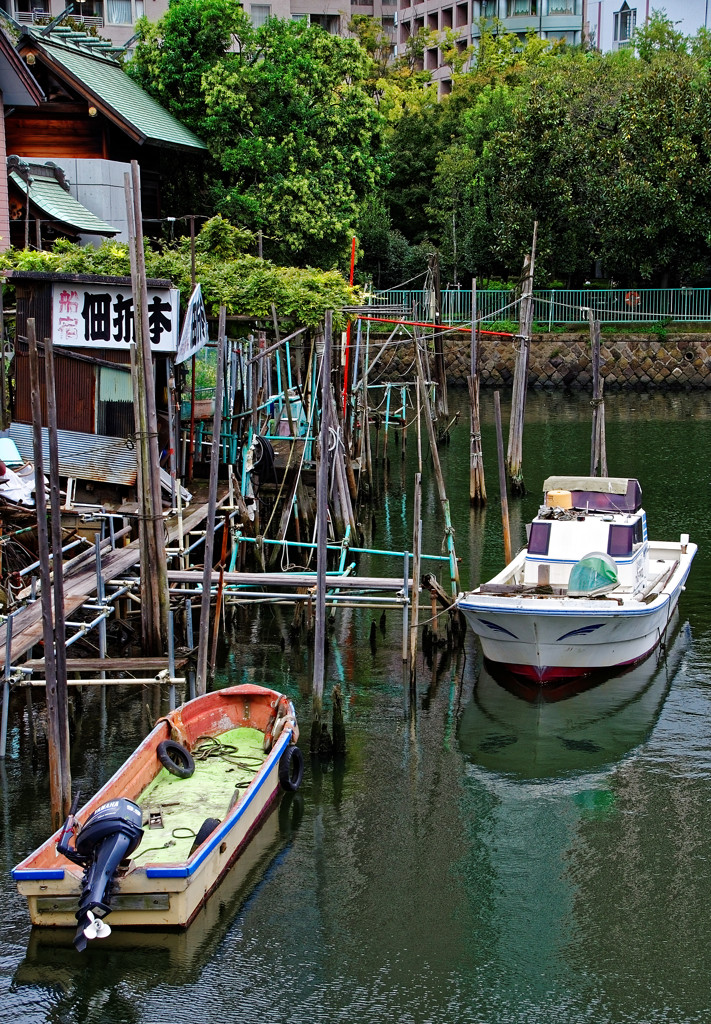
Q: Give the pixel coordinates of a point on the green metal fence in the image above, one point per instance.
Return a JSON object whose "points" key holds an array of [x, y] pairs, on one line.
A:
{"points": [[560, 306]]}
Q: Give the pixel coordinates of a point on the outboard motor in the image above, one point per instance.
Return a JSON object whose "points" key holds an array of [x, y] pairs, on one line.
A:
{"points": [[106, 838]]}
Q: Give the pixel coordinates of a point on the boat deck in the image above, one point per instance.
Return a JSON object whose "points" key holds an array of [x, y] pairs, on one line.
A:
{"points": [[224, 768]]}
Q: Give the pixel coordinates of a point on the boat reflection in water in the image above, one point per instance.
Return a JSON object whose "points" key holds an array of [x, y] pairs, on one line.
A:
{"points": [[530, 733], [146, 957]]}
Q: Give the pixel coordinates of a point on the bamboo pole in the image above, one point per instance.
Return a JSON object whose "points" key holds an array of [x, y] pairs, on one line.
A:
{"points": [[502, 479], [477, 483], [520, 382], [58, 727], [140, 491], [321, 536], [204, 630], [282, 373], [440, 368], [449, 529], [415, 601]]}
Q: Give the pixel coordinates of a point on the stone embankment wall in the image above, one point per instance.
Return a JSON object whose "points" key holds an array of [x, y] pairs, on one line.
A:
{"points": [[681, 361]]}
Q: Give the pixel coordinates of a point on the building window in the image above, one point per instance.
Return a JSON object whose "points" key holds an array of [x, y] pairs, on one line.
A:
{"points": [[561, 6], [489, 8], [299, 17], [625, 21], [515, 7], [260, 14]]}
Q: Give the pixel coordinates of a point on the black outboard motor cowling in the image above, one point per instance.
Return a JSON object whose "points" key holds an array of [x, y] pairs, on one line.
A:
{"points": [[108, 836]]}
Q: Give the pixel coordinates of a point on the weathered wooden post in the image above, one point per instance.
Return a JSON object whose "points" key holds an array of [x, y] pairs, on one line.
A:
{"points": [[204, 633], [477, 484], [321, 536], [598, 453], [56, 689], [55, 505], [154, 579], [140, 307], [520, 382], [502, 479]]}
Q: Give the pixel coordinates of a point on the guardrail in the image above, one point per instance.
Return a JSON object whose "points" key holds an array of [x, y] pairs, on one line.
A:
{"points": [[559, 305]]}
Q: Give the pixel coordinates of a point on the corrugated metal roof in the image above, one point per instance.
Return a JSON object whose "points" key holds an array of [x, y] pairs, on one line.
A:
{"points": [[52, 200], [82, 456], [108, 82]]}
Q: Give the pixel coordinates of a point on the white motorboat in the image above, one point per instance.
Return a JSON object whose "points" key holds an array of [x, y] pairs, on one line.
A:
{"points": [[589, 592]]}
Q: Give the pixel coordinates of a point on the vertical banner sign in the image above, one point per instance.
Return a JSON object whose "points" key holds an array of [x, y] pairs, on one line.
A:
{"points": [[193, 336], [101, 316]]}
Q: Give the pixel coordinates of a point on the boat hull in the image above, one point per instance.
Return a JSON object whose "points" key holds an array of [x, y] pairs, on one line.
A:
{"points": [[546, 640], [166, 894]]}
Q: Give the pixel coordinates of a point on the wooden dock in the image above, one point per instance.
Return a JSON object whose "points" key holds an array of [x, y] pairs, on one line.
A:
{"points": [[27, 628]]}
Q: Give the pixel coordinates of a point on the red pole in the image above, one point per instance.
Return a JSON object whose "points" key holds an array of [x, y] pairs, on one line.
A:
{"points": [[348, 337]]}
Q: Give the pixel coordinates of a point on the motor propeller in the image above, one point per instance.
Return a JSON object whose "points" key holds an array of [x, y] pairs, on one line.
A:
{"points": [[96, 929]]}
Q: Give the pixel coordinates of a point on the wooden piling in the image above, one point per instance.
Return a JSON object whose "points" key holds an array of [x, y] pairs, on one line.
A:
{"points": [[598, 452], [58, 724], [502, 479], [322, 535], [204, 630]]}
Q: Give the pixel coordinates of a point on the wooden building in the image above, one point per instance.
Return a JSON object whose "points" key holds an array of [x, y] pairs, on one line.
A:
{"points": [[90, 321], [92, 121]]}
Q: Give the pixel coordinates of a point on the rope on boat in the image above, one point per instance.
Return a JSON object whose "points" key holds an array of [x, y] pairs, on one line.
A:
{"points": [[211, 746]]}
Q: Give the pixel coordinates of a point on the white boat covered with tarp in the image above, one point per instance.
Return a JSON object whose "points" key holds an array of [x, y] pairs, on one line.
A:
{"points": [[590, 591]]}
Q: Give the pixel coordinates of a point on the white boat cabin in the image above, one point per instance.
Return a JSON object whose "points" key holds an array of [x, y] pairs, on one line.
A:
{"points": [[585, 515]]}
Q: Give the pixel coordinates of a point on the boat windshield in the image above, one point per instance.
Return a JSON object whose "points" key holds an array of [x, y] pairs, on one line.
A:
{"points": [[595, 573]]}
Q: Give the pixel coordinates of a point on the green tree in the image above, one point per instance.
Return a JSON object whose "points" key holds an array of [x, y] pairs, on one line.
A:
{"points": [[172, 55], [287, 113]]}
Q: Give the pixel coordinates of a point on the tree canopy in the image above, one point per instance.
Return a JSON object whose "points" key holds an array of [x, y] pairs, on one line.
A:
{"points": [[288, 114], [315, 137]]}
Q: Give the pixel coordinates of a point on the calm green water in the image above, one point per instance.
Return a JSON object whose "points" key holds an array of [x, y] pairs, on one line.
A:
{"points": [[478, 858]]}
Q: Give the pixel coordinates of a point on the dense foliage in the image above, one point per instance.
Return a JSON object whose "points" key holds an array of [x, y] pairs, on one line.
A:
{"points": [[610, 153], [287, 112], [314, 137], [246, 284]]}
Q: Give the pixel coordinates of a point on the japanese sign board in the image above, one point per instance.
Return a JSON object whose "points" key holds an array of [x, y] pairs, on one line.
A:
{"points": [[99, 316], [194, 335]]}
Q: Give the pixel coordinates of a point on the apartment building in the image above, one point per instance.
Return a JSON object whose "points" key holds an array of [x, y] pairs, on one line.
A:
{"points": [[116, 19], [609, 24]]}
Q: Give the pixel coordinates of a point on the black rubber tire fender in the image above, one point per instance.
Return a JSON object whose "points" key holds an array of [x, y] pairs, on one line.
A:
{"points": [[176, 758], [206, 829], [291, 768]]}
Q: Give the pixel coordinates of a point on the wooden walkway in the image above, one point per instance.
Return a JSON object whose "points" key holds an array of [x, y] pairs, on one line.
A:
{"points": [[27, 628]]}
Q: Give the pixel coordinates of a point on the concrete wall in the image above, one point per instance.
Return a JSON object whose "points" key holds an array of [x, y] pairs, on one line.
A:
{"points": [[679, 361], [98, 185]]}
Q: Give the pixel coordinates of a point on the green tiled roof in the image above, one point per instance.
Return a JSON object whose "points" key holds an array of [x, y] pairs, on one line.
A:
{"points": [[108, 82], [57, 204]]}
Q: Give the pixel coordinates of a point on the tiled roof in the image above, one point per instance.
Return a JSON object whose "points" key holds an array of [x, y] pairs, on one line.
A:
{"points": [[91, 66], [57, 204]]}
